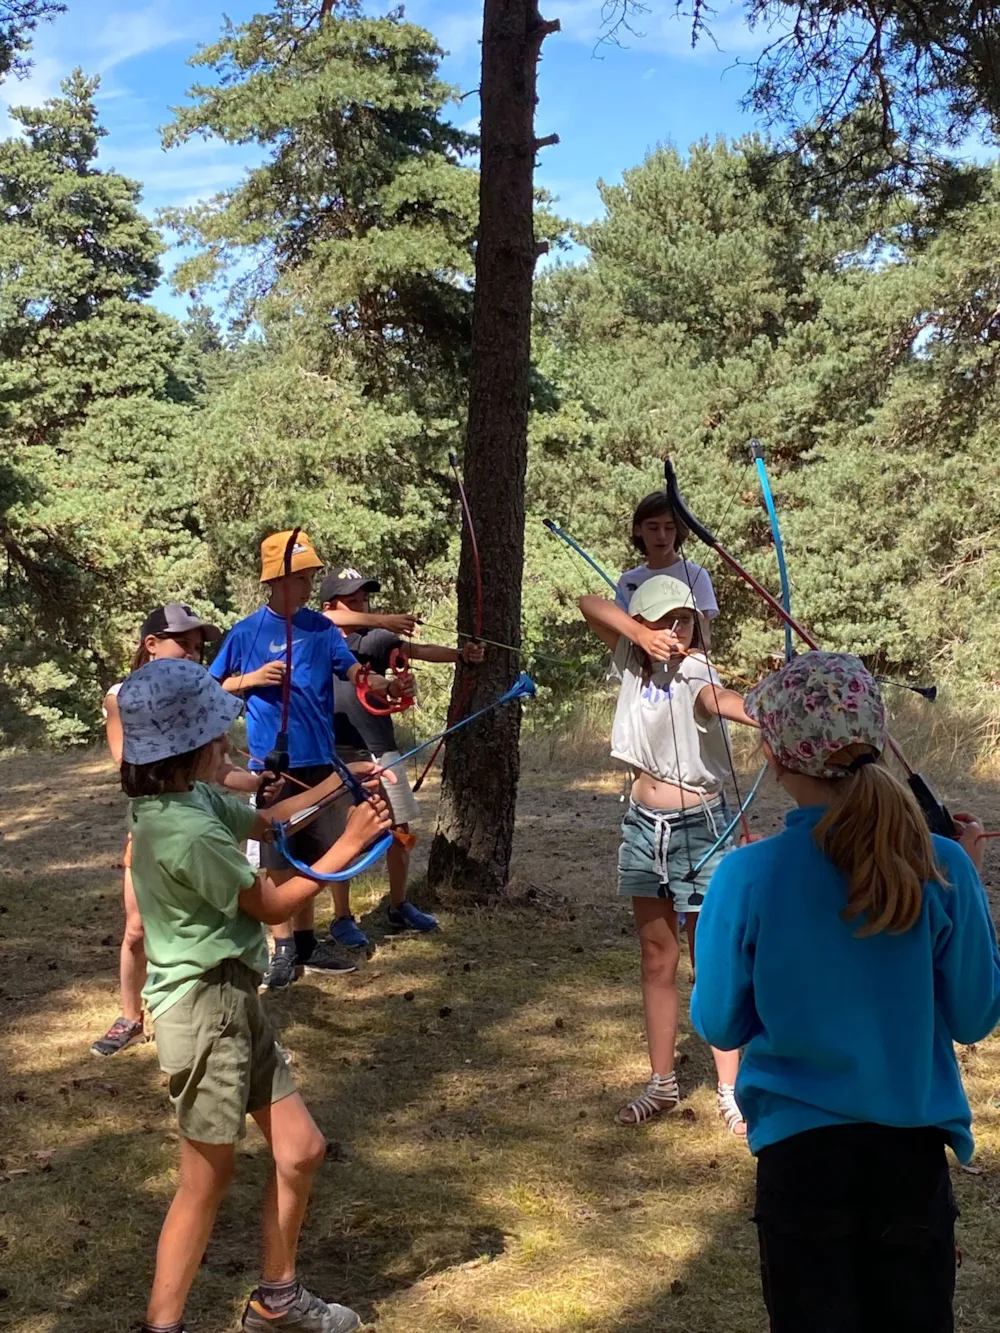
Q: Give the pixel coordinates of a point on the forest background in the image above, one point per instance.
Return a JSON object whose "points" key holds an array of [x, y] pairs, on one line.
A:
{"points": [[731, 290]]}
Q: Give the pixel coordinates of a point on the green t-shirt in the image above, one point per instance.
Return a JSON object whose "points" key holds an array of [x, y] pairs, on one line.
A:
{"points": [[188, 871]]}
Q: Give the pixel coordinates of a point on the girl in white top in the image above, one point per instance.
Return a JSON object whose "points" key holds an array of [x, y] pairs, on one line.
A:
{"points": [[670, 728], [170, 631], [656, 534]]}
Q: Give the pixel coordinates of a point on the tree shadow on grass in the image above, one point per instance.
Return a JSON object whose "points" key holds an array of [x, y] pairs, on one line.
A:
{"points": [[466, 1081]]}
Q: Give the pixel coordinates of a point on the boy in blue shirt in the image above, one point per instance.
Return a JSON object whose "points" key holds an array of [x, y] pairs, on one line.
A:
{"points": [[251, 662], [847, 955]]}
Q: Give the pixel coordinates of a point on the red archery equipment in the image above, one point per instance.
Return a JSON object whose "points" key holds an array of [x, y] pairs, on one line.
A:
{"points": [[938, 819], [376, 703]]}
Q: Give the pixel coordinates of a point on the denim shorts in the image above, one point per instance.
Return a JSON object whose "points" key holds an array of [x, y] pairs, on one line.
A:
{"points": [[660, 849]]}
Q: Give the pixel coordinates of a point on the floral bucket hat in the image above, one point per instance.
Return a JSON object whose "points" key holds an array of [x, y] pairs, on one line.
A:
{"points": [[171, 706], [816, 705]]}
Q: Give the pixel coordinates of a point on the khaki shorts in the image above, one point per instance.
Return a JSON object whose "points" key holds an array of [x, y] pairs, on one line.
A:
{"points": [[220, 1052]]}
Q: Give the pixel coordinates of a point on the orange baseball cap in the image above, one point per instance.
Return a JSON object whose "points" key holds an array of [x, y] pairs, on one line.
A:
{"points": [[272, 555]]}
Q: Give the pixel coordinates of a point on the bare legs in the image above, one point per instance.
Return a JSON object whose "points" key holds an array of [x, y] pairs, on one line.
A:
{"points": [[297, 1147], [659, 939], [132, 962], [206, 1170], [660, 943], [397, 863]]}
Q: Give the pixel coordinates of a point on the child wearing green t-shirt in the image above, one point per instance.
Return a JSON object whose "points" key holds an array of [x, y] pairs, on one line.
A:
{"points": [[202, 906]]}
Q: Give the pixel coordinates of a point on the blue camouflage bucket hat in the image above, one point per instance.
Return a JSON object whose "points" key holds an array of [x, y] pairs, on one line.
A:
{"points": [[171, 706]]}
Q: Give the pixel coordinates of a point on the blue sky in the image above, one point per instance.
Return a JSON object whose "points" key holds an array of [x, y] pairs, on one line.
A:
{"points": [[609, 106]]}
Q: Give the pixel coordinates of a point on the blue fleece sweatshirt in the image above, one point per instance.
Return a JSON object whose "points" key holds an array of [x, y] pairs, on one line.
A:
{"points": [[838, 1029]]}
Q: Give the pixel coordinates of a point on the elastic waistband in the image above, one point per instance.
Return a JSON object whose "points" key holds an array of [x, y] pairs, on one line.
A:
{"points": [[676, 816], [231, 971]]}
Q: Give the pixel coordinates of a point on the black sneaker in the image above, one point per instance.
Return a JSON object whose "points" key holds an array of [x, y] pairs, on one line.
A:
{"points": [[325, 959], [123, 1033], [282, 970]]}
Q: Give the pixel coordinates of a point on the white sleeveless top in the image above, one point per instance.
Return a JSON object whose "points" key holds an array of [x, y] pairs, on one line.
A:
{"points": [[657, 728]]}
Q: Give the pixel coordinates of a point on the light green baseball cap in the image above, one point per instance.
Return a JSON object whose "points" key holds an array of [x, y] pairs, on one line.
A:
{"points": [[660, 595]]}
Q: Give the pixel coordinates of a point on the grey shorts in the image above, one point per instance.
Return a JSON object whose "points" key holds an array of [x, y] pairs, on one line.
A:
{"points": [[660, 848], [399, 794], [317, 837], [219, 1050]]}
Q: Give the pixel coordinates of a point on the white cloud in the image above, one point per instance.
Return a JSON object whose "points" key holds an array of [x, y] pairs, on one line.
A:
{"points": [[459, 34], [125, 34], [575, 198], [97, 47]]}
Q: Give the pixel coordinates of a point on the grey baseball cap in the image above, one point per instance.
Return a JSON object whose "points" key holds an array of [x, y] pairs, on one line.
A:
{"points": [[171, 706], [177, 618]]}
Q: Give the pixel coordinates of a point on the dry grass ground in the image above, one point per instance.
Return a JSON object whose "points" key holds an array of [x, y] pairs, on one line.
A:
{"points": [[466, 1082]]}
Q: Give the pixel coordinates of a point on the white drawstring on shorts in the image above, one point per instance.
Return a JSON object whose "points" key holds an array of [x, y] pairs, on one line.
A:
{"points": [[663, 822]]}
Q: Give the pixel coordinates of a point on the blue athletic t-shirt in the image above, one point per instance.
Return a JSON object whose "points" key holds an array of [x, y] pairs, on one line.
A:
{"points": [[319, 651]]}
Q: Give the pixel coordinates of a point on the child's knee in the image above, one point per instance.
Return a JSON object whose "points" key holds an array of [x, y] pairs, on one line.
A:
{"points": [[659, 962], [303, 1158]]}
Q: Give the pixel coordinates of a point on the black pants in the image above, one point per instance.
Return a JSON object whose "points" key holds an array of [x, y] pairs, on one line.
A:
{"points": [[856, 1225]]}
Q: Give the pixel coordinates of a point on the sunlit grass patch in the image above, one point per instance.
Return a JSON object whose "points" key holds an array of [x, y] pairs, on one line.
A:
{"points": [[476, 1180]]}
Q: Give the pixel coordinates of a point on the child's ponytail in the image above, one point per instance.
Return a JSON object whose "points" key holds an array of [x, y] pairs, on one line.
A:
{"points": [[875, 834]]}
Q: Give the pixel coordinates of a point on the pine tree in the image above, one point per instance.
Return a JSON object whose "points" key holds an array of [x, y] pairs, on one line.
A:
{"points": [[357, 231], [18, 21], [94, 511]]}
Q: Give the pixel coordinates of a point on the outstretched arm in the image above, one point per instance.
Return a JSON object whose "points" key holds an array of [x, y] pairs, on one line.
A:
{"points": [[404, 625], [470, 651], [714, 701]]}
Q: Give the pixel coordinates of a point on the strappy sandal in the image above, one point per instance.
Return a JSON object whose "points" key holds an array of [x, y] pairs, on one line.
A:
{"points": [[725, 1099], [661, 1095]]}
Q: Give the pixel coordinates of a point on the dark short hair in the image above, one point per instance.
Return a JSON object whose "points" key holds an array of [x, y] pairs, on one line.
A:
{"points": [[161, 776], [652, 506]]}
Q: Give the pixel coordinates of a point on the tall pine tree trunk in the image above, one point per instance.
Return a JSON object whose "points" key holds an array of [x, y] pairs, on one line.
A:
{"points": [[475, 832]]}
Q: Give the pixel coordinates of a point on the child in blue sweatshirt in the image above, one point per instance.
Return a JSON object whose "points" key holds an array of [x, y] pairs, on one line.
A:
{"points": [[846, 955]]}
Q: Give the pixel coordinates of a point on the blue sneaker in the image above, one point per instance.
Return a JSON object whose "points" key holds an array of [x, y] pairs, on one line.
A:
{"points": [[346, 931], [408, 917]]}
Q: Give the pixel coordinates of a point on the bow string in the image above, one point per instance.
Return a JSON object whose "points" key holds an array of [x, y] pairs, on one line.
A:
{"points": [[937, 816], [466, 684], [757, 456]]}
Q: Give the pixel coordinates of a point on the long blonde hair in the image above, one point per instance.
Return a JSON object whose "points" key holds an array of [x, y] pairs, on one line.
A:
{"points": [[875, 834]]}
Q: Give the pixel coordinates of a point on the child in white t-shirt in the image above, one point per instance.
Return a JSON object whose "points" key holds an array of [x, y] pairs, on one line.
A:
{"points": [[657, 532], [670, 728]]}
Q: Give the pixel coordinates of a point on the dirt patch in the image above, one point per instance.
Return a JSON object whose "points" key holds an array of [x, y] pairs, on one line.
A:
{"points": [[467, 1083]]}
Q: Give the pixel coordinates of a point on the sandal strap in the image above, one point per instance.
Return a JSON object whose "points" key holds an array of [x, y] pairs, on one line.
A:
{"points": [[728, 1106], [661, 1094]]}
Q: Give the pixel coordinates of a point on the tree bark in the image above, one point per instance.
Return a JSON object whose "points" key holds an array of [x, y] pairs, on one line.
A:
{"points": [[475, 831]]}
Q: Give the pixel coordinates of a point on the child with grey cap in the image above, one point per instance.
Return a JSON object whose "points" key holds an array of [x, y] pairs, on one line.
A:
{"points": [[171, 631], [670, 728], [202, 907]]}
